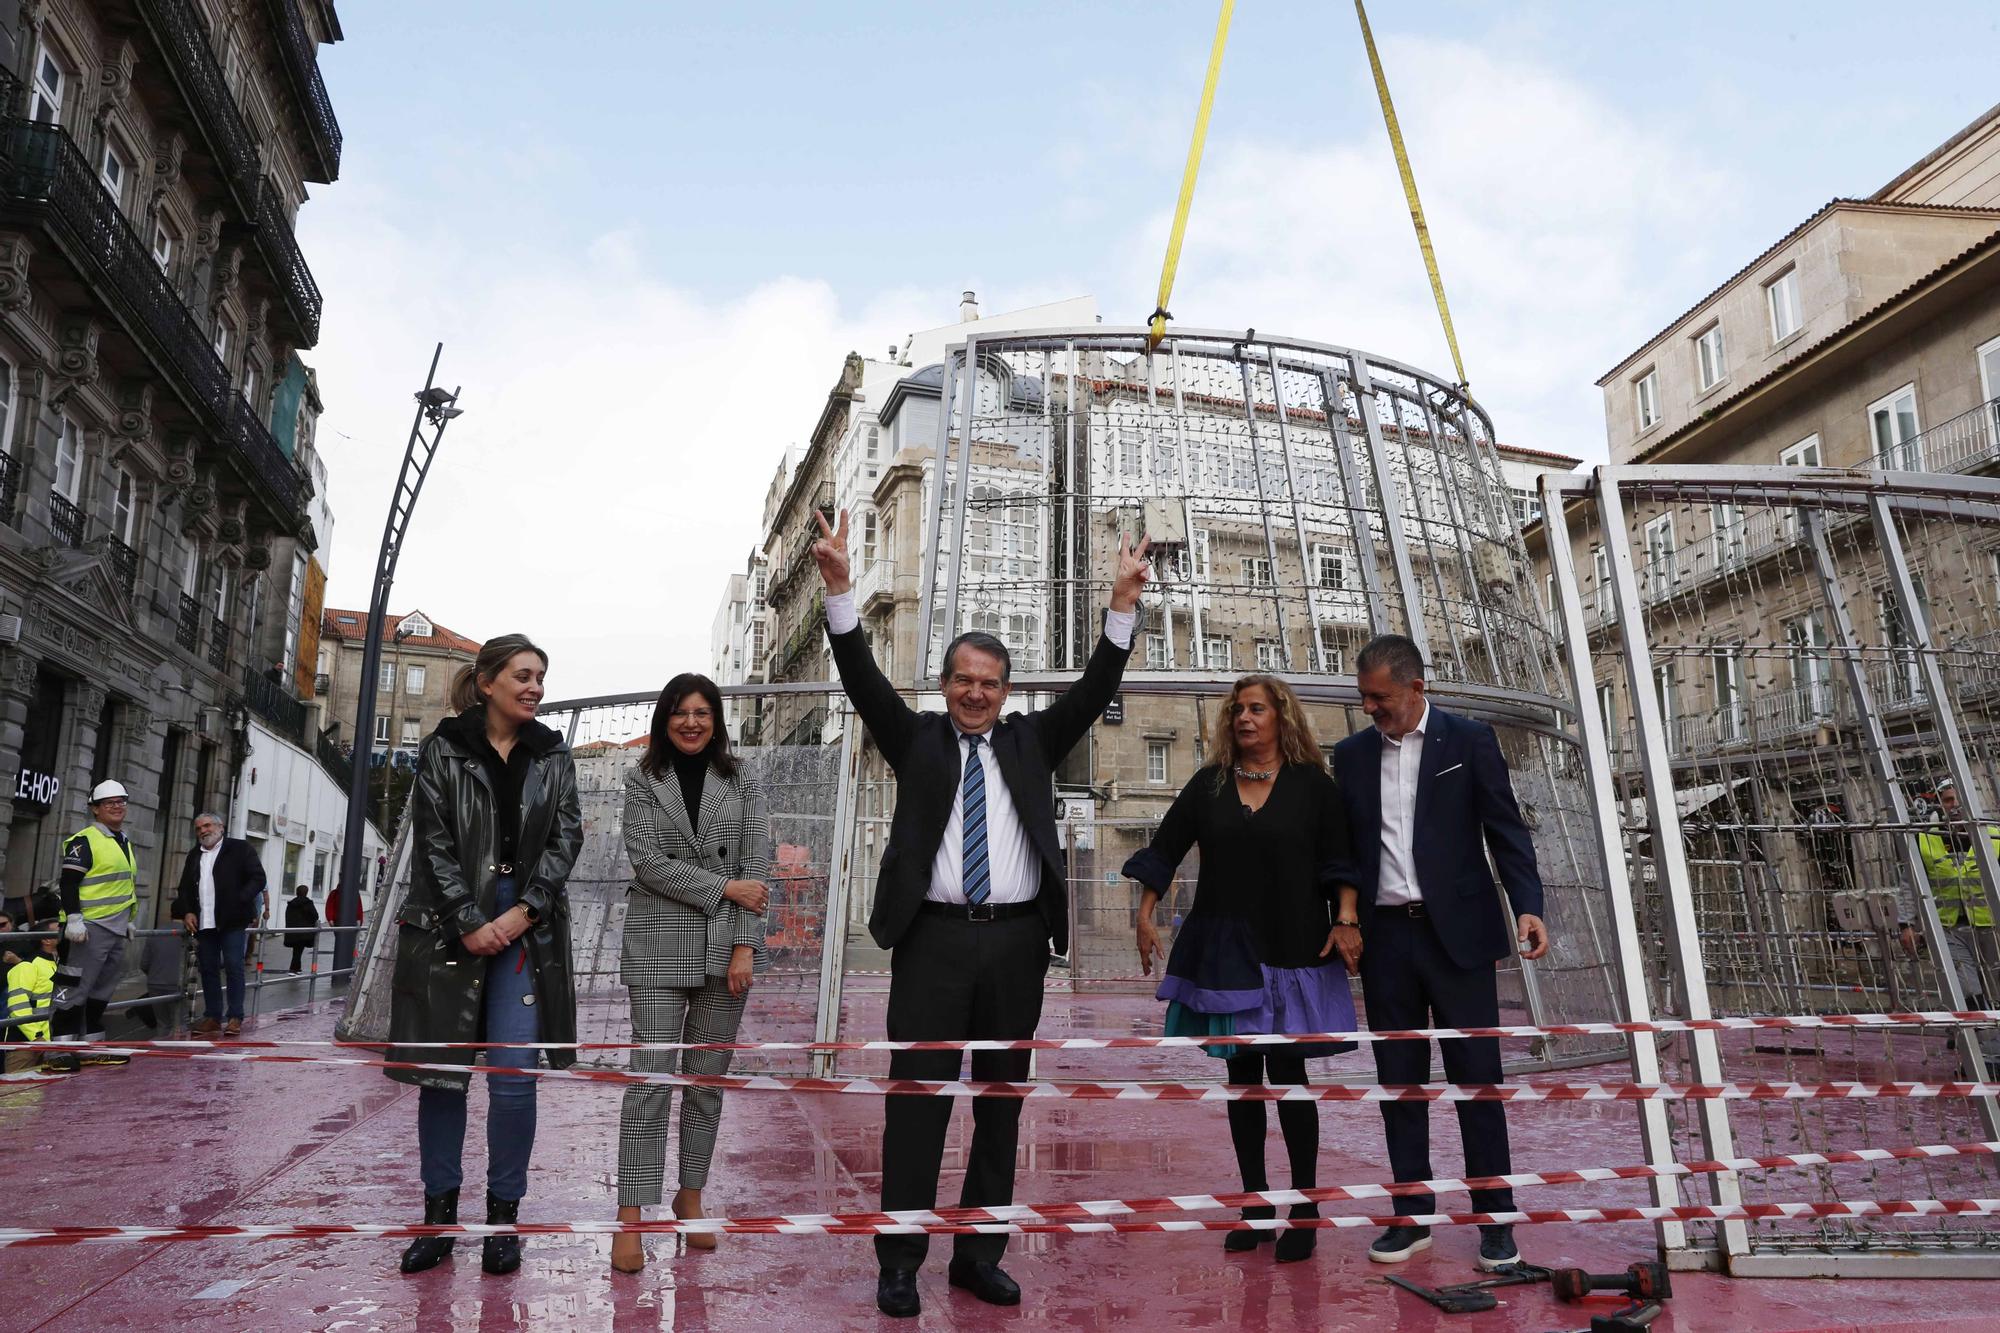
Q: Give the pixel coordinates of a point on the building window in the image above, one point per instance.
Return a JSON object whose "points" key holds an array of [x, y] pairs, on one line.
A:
{"points": [[1527, 505], [1662, 569], [1156, 652], [868, 538], [69, 459], [1728, 667], [163, 245], [413, 679], [385, 679], [382, 730], [1607, 712], [1892, 427], [1257, 571], [1156, 763], [1989, 372], [1803, 454], [1216, 654], [413, 732], [1646, 391], [46, 103], [1332, 650], [191, 571], [1781, 294], [223, 335], [1708, 356], [1330, 567], [1663, 686], [1270, 655], [414, 626], [111, 169], [252, 382], [6, 406], [121, 508]]}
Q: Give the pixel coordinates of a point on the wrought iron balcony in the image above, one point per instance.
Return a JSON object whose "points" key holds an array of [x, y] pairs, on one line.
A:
{"points": [[187, 630], [65, 521], [218, 644], [10, 486], [1960, 444], [191, 61], [274, 703], [125, 560], [301, 60], [288, 265], [45, 180]]}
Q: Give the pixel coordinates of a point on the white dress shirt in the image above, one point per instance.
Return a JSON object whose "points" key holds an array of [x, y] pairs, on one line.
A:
{"points": [[1015, 869], [1401, 760], [206, 884]]}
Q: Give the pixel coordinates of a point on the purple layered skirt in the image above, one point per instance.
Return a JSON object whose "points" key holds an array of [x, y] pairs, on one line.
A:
{"points": [[1214, 986]]}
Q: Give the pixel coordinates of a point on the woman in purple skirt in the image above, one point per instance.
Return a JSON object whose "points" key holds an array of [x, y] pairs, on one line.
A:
{"points": [[1269, 942]]}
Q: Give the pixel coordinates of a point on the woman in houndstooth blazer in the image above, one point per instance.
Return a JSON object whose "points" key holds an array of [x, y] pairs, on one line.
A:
{"points": [[699, 836]]}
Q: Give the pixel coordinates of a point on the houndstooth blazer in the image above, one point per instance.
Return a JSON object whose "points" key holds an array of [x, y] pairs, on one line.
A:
{"points": [[679, 929]]}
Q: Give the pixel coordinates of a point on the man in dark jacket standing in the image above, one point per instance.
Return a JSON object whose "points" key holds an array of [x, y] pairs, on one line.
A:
{"points": [[1429, 799], [220, 887], [971, 894], [301, 912]]}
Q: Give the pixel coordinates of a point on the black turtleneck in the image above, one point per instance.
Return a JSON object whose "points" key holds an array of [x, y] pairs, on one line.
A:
{"points": [[691, 769]]}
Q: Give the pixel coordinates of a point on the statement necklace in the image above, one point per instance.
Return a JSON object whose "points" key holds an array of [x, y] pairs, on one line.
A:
{"points": [[1249, 776]]}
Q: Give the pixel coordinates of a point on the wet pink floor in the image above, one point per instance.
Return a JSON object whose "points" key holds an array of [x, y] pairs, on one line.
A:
{"points": [[173, 1141]]}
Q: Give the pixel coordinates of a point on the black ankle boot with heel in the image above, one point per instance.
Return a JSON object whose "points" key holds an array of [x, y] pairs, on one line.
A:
{"points": [[1297, 1242], [501, 1254], [430, 1251], [1242, 1242]]}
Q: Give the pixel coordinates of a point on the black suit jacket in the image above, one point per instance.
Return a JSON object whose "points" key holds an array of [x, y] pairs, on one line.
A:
{"points": [[1465, 807], [923, 750], [239, 878]]}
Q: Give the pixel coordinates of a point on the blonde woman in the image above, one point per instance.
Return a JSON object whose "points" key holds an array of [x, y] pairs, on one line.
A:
{"points": [[1260, 950]]}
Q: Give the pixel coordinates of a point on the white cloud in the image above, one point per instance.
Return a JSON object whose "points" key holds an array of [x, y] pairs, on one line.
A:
{"points": [[1562, 228], [610, 469]]}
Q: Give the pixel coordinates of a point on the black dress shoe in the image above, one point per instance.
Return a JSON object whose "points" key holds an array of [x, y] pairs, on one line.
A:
{"points": [[1297, 1243], [985, 1281], [896, 1293], [426, 1252]]}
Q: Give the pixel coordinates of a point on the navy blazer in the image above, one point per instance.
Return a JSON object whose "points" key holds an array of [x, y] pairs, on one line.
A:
{"points": [[1465, 807]]}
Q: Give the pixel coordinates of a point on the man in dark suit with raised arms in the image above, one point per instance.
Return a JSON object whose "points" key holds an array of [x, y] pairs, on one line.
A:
{"points": [[1428, 797], [970, 897]]}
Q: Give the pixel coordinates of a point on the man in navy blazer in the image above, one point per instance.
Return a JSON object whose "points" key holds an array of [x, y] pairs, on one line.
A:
{"points": [[1428, 798]]}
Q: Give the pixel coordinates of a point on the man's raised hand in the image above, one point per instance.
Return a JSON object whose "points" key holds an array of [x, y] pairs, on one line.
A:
{"points": [[1133, 572], [830, 554]]}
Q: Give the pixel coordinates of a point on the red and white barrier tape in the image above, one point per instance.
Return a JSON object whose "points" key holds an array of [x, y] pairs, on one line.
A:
{"points": [[1134, 1092], [1693, 1212], [1802, 1022]]}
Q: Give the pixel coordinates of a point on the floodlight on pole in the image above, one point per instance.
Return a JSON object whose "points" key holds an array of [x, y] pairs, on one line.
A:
{"points": [[437, 406]]}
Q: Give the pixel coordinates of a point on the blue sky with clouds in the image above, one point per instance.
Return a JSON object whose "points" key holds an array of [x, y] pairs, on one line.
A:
{"points": [[646, 232]]}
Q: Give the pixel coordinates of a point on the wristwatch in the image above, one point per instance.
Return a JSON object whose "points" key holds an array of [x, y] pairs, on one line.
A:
{"points": [[1356, 924]]}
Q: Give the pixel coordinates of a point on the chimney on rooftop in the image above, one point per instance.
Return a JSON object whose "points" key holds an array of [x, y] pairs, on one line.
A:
{"points": [[968, 307]]}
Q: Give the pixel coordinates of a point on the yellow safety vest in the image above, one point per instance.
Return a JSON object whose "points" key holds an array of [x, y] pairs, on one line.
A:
{"points": [[110, 886], [1954, 878], [30, 986]]}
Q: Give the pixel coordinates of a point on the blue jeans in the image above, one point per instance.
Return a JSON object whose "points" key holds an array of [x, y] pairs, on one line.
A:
{"points": [[511, 1015], [218, 952]]}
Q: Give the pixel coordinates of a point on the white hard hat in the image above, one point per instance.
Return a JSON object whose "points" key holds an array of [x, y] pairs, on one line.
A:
{"points": [[104, 791]]}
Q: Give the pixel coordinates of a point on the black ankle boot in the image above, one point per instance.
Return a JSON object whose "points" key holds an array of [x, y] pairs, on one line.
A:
{"points": [[430, 1251], [1240, 1242], [501, 1254], [1297, 1242]]}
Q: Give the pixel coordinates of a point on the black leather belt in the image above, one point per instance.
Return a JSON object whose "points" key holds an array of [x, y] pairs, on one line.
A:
{"points": [[981, 912], [1403, 909]]}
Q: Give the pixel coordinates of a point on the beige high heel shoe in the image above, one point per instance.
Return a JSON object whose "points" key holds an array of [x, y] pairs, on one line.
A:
{"points": [[628, 1249], [687, 1207]]}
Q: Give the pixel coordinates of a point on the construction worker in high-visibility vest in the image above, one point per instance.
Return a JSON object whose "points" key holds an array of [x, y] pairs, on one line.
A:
{"points": [[100, 898], [28, 971], [1951, 864]]}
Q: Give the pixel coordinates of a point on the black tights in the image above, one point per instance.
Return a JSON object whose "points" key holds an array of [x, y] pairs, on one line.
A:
{"points": [[1298, 1120]]}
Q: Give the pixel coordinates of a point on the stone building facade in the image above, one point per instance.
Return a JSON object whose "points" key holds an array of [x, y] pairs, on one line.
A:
{"points": [[413, 686], [156, 456]]}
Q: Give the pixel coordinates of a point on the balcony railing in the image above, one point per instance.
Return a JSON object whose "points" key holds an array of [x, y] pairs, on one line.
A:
{"points": [[192, 62], [337, 762], [302, 64], [65, 521], [1960, 444], [45, 177], [218, 644], [125, 561], [274, 703], [10, 486], [288, 264], [187, 629]]}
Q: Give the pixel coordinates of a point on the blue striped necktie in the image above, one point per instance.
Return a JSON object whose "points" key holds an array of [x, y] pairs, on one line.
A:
{"points": [[978, 874]]}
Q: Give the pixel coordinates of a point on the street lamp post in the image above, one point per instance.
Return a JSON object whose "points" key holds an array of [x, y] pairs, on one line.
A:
{"points": [[436, 408]]}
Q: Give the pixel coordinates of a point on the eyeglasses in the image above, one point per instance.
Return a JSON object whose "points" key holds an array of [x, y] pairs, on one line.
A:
{"points": [[692, 715]]}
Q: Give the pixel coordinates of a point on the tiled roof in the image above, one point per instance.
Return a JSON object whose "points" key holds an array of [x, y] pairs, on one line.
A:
{"points": [[1791, 363], [352, 626], [1779, 244]]}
